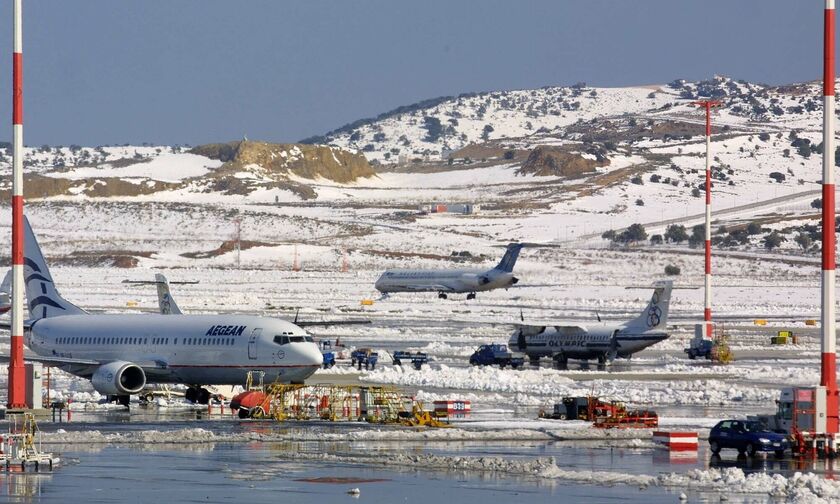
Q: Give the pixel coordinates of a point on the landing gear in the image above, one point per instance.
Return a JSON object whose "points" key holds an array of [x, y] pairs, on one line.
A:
{"points": [[471, 295], [441, 295], [560, 361], [124, 400], [534, 361], [602, 362], [198, 395]]}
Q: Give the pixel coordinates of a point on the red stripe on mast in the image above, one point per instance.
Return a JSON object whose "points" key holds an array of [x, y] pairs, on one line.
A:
{"points": [[17, 86]]}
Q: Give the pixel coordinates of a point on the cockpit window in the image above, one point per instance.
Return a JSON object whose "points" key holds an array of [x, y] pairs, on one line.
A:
{"points": [[282, 340]]}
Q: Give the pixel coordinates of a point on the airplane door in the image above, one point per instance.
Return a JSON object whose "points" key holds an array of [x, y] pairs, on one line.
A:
{"points": [[252, 343]]}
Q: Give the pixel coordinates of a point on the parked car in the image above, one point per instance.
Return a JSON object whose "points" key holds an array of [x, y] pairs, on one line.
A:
{"points": [[746, 436]]}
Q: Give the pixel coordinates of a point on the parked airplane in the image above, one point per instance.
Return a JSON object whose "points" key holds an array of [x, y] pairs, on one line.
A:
{"points": [[452, 280], [120, 354], [605, 343]]}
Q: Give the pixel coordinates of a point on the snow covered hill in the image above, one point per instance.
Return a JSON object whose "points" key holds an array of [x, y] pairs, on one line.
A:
{"points": [[435, 128]]}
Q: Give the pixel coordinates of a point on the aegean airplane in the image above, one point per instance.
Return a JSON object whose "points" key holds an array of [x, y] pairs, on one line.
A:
{"points": [[450, 281], [121, 353]]}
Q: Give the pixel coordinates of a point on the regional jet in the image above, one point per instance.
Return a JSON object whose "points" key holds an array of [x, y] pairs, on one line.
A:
{"points": [[454, 280], [121, 354], [573, 341]]}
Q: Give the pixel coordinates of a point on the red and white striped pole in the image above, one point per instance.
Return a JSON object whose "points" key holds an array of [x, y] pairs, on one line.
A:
{"points": [[707, 298], [828, 371], [17, 385]]}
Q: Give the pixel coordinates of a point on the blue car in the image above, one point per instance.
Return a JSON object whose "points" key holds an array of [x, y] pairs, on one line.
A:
{"points": [[748, 437]]}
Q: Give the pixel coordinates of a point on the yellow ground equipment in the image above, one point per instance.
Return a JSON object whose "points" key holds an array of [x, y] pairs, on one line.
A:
{"points": [[721, 353], [422, 418], [783, 338]]}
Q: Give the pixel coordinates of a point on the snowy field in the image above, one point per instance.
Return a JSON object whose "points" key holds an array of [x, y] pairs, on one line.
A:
{"points": [[343, 237]]}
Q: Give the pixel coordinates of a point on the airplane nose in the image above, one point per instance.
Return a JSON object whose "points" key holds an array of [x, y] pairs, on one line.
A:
{"points": [[311, 355]]}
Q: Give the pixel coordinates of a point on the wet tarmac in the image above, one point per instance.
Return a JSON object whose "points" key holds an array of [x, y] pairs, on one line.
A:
{"points": [[267, 471], [253, 473]]}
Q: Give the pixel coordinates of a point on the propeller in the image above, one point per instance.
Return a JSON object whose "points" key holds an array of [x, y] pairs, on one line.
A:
{"points": [[520, 340], [613, 352]]}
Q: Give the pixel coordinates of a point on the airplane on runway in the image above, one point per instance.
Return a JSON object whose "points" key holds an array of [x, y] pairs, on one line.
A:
{"points": [[121, 353], [449, 281], [564, 341]]}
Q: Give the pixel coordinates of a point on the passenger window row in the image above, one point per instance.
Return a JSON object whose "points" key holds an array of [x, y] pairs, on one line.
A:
{"points": [[84, 340]]}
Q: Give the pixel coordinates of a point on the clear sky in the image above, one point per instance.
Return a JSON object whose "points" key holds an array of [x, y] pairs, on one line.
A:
{"points": [[198, 71]]}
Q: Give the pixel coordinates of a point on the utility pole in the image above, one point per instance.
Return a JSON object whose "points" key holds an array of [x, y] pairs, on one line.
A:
{"points": [[707, 298], [17, 373], [237, 242], [828, 362]]}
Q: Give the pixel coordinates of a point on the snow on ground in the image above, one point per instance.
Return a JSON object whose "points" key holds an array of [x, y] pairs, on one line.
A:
{"points": [[800, 487], [550, 383], [164, 167]]}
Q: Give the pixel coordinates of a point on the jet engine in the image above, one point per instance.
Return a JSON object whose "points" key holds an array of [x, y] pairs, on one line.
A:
{"points": [[118, 378]]}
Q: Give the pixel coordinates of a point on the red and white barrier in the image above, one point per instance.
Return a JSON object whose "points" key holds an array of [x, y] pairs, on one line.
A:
{"points": [[453, 407], [676, 441]]}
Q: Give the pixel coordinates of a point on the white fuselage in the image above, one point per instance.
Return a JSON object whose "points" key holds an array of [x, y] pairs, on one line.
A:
{"points": [[455, 281], [580, 343], [190, 349]]}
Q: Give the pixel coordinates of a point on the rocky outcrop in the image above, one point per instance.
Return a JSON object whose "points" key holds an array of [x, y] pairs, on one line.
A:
{"points": [[280, 160], [559, 162]]}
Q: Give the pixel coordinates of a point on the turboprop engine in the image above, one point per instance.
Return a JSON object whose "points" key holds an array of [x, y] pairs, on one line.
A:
{"points": [[119, 378]]}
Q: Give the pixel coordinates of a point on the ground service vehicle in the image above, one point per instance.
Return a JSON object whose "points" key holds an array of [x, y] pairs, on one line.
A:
{"points": [[417, 359], [364, 357], [495, 355]]}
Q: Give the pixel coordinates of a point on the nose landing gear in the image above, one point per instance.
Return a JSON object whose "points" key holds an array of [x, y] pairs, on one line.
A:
{"points": [[471, 295], [198, 395]]}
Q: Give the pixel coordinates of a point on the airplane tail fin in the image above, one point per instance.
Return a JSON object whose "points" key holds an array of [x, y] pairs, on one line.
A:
{"points": [[656, 312], [165, 302], [6, 286], [509, 259], [42, 297]]}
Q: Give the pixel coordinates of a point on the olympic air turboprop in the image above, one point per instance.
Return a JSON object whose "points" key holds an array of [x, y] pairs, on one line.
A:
{"points": [[452, 281], [121, 353], [604, 343]]}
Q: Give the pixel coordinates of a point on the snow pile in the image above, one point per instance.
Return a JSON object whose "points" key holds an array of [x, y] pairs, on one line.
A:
{"points": [[553, 385], [799, 487], [179, 436]]}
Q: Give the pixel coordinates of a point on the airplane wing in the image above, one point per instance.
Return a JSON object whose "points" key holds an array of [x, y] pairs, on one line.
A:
{"points": [[54, 361], [559, 326], [7, 326], [327, 323], [428, 288]]}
